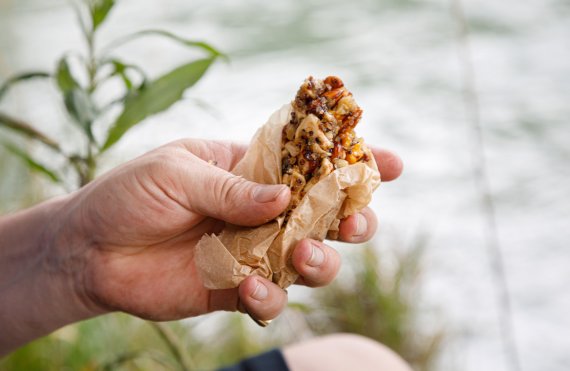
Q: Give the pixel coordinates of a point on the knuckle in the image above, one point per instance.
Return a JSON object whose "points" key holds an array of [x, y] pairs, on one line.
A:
{"points": [[159, 164], [324, 275], [164, 160], [266, 309], [231, 189]]}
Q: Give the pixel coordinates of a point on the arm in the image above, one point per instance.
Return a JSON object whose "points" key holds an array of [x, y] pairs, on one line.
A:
{"points": [[125, 242], [36, 296]]}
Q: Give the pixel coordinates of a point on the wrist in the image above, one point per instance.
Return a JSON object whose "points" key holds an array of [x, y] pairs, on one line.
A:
{"points": [[66, 247], [40, 280]]}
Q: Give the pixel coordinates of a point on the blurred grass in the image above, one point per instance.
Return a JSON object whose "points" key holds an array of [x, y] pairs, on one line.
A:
{"points": [[115, 341], [382, 304], [122, 342]]}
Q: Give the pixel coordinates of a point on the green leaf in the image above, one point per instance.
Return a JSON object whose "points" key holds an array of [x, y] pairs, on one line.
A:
{"points": [[27, 130], [80, 107], [121, 69], [32, 164], [169, 35], [65, 80], [20, 78], [99, 11], [156, 97], [77, 101]]}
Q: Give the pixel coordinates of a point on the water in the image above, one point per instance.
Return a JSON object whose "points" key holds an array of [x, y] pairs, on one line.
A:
{"points": [[400, 60]]}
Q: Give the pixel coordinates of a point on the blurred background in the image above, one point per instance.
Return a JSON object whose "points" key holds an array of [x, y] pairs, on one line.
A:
{"points": [[430, 75]]}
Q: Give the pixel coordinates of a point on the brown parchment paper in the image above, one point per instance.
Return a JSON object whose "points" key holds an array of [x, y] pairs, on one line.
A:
{"points": [[225, 260]]}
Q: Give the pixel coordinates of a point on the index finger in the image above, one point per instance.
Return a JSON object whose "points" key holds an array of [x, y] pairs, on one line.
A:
{"points": [[389, 164]]}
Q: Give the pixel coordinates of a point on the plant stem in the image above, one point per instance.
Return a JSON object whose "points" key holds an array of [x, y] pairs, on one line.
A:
{"points": [[91, 66], [90, 164], [91, 62], [173, 343], [494, 250]]}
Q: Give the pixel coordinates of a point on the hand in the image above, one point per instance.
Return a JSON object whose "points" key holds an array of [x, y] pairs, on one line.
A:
{"points": [[128, 238]]}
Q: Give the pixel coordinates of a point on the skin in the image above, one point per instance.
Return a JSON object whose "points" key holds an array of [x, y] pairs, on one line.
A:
{"points": [[125, 242], [341, 352]]}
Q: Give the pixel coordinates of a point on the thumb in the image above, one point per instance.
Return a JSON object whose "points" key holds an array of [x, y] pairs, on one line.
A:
{"points": [[219, 194]]}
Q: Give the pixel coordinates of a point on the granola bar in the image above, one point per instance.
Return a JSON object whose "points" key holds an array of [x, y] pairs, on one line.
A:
{"points": [[319, 136]]}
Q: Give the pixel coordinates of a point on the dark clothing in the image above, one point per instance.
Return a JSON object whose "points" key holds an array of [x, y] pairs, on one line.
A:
{"points": [[269, 361]]}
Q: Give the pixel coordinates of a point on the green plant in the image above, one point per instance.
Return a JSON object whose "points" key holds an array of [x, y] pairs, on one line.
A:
{"points": [[80, 76], [111, 342], [380, 304]]}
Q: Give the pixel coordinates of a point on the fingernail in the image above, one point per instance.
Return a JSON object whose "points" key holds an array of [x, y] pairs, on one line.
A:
{"points": [[361, 225], [267, 193], [317, 256], [260, 292]]}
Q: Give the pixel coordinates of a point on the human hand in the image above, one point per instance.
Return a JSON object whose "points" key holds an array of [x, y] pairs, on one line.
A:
{"points": [[128, 238]]}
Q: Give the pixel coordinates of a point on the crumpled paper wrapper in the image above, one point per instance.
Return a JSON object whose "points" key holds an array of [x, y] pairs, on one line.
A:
{"points": [[225, 260]]}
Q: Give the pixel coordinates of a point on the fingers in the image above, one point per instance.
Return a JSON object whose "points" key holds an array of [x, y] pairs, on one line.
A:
{"points": [[261, 298], [214, 192], [390, 164], [256, 295], [316, 263], [359, 227]]}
